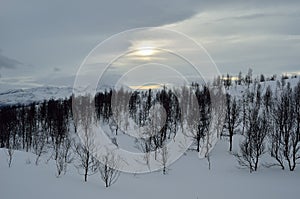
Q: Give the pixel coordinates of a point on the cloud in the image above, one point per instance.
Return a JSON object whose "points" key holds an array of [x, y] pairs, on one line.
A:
{"points": [[6, 62], [61, 33], [18, 82], [238, 34], [56, 69], [264, 37]]}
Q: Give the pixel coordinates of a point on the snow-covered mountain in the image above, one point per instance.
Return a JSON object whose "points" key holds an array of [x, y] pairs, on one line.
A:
{"points": [[26, 96], [38, 94]]}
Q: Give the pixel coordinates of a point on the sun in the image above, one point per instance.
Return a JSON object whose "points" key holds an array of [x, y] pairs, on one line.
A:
{"points": [[146, 51]]}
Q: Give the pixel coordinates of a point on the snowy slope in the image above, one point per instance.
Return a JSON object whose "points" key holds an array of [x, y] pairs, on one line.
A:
{"points": [[38, 94], [26, 96], [187, 178], [238, 90]]}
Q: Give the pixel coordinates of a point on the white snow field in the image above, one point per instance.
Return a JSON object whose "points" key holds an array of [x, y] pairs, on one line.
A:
{"points": [[187, 178], [26, 96]]}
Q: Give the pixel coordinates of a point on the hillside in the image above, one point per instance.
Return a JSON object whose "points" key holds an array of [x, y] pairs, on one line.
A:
{"points": [[189, 177]]}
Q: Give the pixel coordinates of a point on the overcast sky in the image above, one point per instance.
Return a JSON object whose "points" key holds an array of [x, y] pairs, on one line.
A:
{"points": [[44, 42]]}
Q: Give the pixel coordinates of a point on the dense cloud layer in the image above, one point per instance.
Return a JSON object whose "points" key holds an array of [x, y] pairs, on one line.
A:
{"points": [[6, 62], [59, 34]]}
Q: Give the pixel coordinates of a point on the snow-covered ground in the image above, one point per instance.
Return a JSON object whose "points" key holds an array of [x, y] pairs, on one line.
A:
{"points": [[188, 177]]}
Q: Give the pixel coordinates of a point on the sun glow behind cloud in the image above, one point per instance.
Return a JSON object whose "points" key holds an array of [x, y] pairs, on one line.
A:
{"points": [[146, 87], [146, 51]]}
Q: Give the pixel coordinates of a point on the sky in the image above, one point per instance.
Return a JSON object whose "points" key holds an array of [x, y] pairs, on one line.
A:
{"points": [[45, 42]]}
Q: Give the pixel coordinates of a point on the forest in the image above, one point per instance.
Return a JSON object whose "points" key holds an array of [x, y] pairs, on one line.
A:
{"points": [[264, 117]]}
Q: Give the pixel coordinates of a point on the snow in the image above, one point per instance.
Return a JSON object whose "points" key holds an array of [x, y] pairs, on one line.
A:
{"points": [[189, 177], [38, 94], [27, 96], [238, 90]]}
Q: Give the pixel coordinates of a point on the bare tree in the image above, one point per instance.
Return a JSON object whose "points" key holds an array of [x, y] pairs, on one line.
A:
{"points": [[248, 78], [64, 157], [68, 155], [87, 162], [275, 149], [296, 129], [253, 146], [232, 120], [268, 99], [219, 109], [85, 149], [120, 111], [39, 146], [154, 131], [10, 152], [60, 163], [208, 142], [256, 130], [285, 138], [197, 117], [164, 159], [108, 168], [144, 145]]}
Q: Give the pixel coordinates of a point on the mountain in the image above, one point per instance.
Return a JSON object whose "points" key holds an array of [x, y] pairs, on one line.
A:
{"points": [[38, 94], [26, 96]]}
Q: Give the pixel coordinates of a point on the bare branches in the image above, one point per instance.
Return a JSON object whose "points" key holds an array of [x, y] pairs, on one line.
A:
{"points": [[39, 146], [256, 130], [108, 168], [64, 157], [286, 136], [232, 120], [10, 152], [87, 163], [86, 148]]}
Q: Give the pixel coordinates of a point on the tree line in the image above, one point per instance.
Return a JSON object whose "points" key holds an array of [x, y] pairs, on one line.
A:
{"points": [[265, 120]]}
